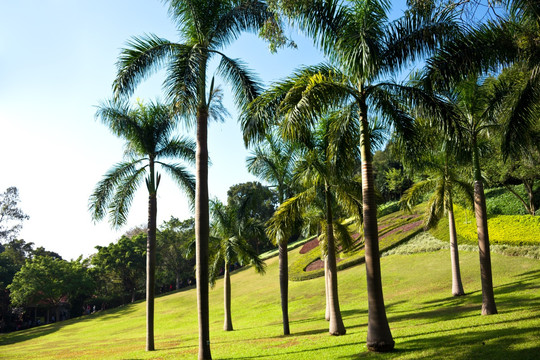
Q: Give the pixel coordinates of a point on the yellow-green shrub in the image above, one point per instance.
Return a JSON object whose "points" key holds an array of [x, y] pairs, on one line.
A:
{"points": [[502, 229]]}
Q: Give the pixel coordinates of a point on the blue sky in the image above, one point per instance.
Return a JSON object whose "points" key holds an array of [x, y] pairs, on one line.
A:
{"points": [[57, 62]]}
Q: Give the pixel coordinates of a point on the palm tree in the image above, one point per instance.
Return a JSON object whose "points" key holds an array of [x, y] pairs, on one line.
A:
{"points": [[231, 229], [324, 172], [364, 46], [273, 162], [205, 28], [488, 47], [475, 104], [147, 131], [443, 182]]}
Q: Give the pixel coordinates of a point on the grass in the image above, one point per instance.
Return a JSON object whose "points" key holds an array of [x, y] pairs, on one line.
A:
{"points": [[426, 321]]}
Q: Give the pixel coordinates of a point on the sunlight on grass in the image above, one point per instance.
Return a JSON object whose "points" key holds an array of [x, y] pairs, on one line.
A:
{"points": [[426, 321]]}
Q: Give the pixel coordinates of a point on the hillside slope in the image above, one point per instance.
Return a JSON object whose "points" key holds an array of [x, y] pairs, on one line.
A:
{"points": [[426, 321]]}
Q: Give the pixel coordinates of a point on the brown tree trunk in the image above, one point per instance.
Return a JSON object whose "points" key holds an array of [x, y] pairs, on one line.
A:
{"points": [[457, 286], [336, 322], [202, 220], [379, 337], [326, 288], [151, 270], [488, 298], [284, 285], [227, 325]]}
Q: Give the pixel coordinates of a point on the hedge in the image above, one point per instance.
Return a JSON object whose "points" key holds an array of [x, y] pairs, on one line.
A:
{"points": [[503, 229]]}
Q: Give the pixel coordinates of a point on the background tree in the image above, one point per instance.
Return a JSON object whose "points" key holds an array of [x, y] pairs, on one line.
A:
{"points": [[49, 281], [147, 131], [205, 28], [232, 226], [121, 263], [173, 240], [273, 161], [256, 202], [11, 217]]}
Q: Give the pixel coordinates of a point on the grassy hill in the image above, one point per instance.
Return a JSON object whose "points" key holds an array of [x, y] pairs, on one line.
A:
{"points": [[426, 321]]}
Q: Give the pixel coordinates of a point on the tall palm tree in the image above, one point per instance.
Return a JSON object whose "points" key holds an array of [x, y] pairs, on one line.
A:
{"points": [[365, 47], [206, 28], [232, 229], [324, 172], [147, 130], [442, 183], [273, 162], [475, 104]]}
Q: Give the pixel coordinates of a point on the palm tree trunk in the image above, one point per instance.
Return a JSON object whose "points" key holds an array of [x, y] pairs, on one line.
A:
{"points": [[326, 288], [379, 337], [202, 218], [336, 322], [227, 325], [488, 298], [151, 270], [457, 286], [284, 285]]}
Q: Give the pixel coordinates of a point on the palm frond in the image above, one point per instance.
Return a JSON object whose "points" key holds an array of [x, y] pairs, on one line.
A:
{"points": [[416, 193], [123, 197], [183, 178], [142, 57], [104, 191], [179, 148], [246, 86]]}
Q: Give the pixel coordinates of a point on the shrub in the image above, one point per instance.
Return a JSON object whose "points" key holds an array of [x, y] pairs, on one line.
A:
{"points": [[503, 229], [500, 201]]}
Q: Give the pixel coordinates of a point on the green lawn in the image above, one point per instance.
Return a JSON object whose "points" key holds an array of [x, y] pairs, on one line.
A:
{"points": [[426, 321]]}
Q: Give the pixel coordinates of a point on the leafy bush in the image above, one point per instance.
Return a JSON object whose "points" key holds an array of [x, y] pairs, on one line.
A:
{"points": [[500, 201], [387, 208]]}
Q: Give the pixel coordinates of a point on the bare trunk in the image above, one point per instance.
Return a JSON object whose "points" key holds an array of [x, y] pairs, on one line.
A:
{"points": [[151, 271], [336, 322], [379, 337], [457, 286], [529, 187], [326, 289], [227, 325], [488, 298], [284, 285], [202, 219], [177, 280]]}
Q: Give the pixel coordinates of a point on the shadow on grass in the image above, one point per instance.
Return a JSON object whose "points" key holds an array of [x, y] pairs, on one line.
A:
{"points": [[38, 331], [283, 355]]}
